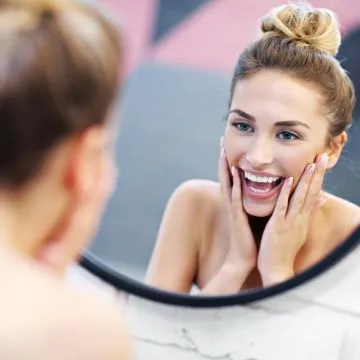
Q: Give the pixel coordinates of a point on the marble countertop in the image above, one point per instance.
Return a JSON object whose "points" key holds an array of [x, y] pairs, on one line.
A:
{"points": [[318, 320]]}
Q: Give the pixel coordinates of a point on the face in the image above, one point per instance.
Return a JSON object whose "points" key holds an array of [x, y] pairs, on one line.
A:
{"points": [[275, 128]]}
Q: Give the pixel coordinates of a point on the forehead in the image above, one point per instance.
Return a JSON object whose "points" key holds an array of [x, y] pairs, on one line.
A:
{"points": [[277, 96]]}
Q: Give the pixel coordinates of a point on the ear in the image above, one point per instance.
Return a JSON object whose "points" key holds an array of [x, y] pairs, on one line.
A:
{"points": [[84, 160], [82, 174], [335, 148]]}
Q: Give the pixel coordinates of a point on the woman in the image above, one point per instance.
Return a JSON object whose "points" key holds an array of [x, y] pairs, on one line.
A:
{"points": [[58, 81], [268, 218]]}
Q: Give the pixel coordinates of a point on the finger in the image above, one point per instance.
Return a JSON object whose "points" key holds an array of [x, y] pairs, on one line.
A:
{"points": [[224, 176], [236, 189], [316, 183], [282, 203], [236, 195], [320, 202], [298, 199]]}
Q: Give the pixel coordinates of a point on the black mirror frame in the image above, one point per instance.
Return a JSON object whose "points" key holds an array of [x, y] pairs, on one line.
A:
{"points": [[125, 284]]}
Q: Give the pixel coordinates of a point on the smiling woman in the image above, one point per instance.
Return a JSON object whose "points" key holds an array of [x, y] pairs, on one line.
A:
{"points": [[263, 145], [268, 218]]}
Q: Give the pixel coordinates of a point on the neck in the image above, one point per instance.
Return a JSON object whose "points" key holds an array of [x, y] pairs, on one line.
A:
{"points": [[16, 226], [22, 234]]}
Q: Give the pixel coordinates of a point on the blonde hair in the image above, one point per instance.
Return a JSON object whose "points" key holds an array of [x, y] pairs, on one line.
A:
{"points": [[303, 41], [59, 74], [316, 28]]}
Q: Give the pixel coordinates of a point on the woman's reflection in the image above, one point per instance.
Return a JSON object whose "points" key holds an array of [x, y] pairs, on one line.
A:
{"points": [[268, 217]]}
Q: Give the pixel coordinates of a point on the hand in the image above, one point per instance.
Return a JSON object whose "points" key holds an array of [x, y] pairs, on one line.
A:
{"points": [[242, 255], [287, 229], [243, 251]]}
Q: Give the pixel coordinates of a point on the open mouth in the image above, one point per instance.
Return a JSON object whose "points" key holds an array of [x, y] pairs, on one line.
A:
{"points": [[259, 185]]}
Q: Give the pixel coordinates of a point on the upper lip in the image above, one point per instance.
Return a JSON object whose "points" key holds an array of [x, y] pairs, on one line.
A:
{"points": [[261, 174]]}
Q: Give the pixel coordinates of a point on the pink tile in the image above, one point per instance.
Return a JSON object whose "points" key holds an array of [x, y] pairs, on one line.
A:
{"points": [[137, 18], [212, 37]]}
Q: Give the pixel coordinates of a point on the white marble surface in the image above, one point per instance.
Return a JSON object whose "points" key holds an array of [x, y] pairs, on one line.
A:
{"points": [[317, 321]]}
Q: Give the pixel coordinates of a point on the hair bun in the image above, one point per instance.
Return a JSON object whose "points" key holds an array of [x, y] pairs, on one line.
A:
{"points": [[314, 27], [44, 8]]}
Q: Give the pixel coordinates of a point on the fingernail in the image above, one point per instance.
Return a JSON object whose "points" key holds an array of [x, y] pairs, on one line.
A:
{"points": [[311, 169], [324, 159], [221, 141], [233, 171], [222, 152], [289, 181], [322, 201]]}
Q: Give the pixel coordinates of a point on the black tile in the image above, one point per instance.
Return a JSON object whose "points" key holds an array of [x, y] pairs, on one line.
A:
{"points": [[171, 13], [349, 55]]}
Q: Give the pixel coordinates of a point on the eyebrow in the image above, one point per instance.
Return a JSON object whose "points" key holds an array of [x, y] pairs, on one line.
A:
{"points": [[279, 123]]}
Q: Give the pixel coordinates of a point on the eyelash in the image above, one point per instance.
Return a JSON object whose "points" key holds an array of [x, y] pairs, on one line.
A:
{"points": [[294, 135]]}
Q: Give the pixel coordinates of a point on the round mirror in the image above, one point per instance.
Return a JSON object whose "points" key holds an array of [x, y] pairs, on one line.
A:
{"points": [[168, 231]]}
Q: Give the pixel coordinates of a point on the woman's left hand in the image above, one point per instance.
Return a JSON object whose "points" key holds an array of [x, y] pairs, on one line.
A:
{"points": [[287, 229]]}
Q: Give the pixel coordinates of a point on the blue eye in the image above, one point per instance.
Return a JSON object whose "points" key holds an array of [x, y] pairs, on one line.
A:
{"points": [[288, 136], [242, 126]]}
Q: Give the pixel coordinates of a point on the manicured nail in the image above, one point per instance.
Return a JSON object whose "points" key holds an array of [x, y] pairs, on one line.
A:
{"points": [[311, 169], [322, 201], [233, 170], [289, 181], [221, 141], [222, 152], [324, 159]]}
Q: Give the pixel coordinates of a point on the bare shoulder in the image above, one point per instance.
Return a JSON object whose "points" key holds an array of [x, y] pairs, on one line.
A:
{"points": [[97, 326], [344, 215], [192, 207], [57, 322], [181, 236], [206, 209], [202, 194]]}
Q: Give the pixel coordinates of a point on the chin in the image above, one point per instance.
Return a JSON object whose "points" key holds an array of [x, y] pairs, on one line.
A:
{"points": [[258, 209]]}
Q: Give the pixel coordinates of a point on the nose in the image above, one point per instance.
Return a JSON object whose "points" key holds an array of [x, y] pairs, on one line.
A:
{"points": [[260, 153]]}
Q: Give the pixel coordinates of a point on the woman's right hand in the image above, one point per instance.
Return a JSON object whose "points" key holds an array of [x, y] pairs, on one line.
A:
{"points": [[242, 254]]}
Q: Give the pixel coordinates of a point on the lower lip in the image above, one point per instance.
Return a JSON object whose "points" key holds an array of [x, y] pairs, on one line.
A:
{"points": [[259, 195]]}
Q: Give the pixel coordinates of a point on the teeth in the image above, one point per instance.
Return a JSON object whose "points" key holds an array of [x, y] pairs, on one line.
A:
{"points": [[259, 190], [260, 179]]}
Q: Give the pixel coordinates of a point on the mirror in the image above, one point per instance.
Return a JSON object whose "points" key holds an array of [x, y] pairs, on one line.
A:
{"points": [[174, 103]]}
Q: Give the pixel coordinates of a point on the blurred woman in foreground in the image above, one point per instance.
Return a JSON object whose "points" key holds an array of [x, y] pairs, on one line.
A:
{"points": [[59, 71]]}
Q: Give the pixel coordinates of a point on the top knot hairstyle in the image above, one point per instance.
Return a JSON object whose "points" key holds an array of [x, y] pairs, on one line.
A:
{"points": [[303, 41], [305, 26], [59, 75]]}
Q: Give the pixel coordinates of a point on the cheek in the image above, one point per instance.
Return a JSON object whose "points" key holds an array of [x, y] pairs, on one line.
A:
{"points": [[294, 161], [234, 147]]}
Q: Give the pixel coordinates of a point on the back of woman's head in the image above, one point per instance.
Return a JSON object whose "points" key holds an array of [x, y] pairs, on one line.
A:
{"points": [[302, 42], [59, 64]]}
